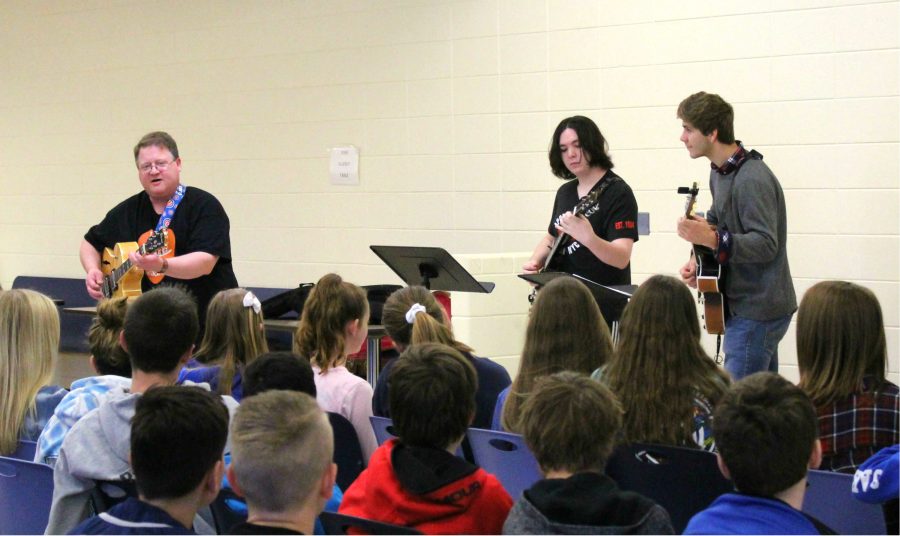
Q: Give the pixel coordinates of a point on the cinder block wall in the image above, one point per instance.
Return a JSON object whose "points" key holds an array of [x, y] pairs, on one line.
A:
{"points": [[451, 104]]}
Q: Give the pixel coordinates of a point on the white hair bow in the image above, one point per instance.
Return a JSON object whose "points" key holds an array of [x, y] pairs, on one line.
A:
{"points": [[413, 311], [250, 300]]}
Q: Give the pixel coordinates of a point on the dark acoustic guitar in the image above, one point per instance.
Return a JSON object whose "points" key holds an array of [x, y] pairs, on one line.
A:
{"points": [[709, 275]]}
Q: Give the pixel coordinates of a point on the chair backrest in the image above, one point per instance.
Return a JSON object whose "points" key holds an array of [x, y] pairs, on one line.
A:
{"points": [[383, 428], [829, 499], [505, 456], [108, 493], [342, 524], [347, 453], [684, 481], [25, 450], [227, 510], [26, 491]]}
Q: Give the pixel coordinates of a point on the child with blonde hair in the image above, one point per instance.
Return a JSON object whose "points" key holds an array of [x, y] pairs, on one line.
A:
{"points": [[29, 331]]}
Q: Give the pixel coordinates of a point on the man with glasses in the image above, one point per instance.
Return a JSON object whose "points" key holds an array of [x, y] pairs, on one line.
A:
{"points": [[198, 250]]}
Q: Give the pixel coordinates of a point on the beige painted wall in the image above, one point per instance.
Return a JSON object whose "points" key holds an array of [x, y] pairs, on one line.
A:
{"points": [[451, 104]]}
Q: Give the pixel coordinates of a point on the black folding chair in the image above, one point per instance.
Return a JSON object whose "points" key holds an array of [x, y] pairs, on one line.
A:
{"points": [[683, 481]]}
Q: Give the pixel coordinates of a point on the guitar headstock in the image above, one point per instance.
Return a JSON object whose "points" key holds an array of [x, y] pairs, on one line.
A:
{"points": [[155, 241], [691, 201], [586, 202]]}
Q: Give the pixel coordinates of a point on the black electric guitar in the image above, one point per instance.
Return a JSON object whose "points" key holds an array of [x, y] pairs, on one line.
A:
{"points": [[709, 275], [562, 239]]}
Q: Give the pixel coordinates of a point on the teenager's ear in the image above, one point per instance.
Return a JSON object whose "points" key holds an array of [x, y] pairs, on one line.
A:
{"points": [[713, 136], [722, 467], [186, 356], [352, 327], [815, 457], [122, 342], [212, 483], [326, 485], [232, 479]]}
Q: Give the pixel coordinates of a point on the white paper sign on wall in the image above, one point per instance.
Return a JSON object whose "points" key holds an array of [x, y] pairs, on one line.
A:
{"points": [[344, 165]]}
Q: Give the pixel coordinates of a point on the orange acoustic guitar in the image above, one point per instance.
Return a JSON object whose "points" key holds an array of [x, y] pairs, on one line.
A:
{"points": [[121, 277], [709, 275]]}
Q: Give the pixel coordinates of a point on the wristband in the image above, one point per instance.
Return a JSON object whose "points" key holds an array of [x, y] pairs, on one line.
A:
{"points": [[165, 266]]}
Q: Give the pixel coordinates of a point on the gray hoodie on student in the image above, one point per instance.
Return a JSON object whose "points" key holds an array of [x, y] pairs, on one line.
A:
{"points": [[96, 448]]}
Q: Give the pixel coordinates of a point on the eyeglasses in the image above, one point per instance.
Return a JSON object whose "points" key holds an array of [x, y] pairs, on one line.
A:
{"points": [[161, 165]]}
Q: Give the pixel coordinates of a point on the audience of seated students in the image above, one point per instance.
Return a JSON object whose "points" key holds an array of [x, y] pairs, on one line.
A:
{"points": [[159, 333], [285, 371], [416, 480], [411, 316], [566, 331], [765, 429], [237, 336], [113, 367], [282, 448], [665, 381], [570, 423], [842, 355], [334, 324], [177, 438], [29, 329]]}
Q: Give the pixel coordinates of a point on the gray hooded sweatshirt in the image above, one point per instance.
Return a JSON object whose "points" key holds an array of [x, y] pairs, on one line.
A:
{"points": [[96, 448]]}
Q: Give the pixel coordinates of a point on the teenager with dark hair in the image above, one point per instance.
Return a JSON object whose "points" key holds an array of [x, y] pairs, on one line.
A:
{"points": [[605, 232], [842, 354], [570, 423], [178, 435], [416, 480], [159, 333], [412, 315], [746, 227], [285, 371], [765, 428]]}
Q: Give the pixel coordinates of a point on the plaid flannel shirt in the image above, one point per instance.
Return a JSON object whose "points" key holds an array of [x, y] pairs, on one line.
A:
{"points": [[855, 428]]}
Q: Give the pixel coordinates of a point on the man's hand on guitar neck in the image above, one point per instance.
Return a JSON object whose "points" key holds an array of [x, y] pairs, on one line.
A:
{"points": [[149, 263], [698, 231]]}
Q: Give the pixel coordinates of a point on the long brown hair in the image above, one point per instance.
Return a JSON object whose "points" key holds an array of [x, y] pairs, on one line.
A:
{"points": [[331, 305], [566, 331], [840, 340], [234, 335], [659, 365], [429, 325]]}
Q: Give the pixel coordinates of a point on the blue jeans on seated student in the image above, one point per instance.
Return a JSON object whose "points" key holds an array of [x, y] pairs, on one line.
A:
{"points": [[752, 345]]}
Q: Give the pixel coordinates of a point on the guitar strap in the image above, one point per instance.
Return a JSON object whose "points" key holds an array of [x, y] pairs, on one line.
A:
{"points": [[165, 219]]}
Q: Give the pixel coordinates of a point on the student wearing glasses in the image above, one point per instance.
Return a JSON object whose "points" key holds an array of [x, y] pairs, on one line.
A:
{"points": [[198, 251]]}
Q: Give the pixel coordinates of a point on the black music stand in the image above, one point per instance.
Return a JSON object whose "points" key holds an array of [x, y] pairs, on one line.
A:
{"points": [[611, 299], [433, 268]]}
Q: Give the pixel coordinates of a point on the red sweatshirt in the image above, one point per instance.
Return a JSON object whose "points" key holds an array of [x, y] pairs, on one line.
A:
{"points": [[430, 490]]}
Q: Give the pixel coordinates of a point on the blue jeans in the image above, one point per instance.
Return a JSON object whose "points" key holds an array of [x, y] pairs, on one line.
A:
{"points": [[752, 345]]}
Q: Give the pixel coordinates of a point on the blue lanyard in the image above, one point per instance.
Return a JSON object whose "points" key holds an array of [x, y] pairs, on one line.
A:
{"points": [[165, 219]]}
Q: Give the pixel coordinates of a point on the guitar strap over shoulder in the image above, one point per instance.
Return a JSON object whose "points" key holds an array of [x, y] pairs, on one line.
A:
{"points": [[165, 219]]}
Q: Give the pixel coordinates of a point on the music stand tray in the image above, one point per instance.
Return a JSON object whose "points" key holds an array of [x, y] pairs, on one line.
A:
{"points": [[431, 267], [611, 298]]}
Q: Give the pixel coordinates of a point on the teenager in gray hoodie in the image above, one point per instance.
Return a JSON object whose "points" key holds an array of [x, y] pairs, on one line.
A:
{"points": [[159, 333], [570, 423]]}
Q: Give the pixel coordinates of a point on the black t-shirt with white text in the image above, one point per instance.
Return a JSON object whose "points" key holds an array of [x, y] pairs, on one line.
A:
{"points": [[614, 216]]}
